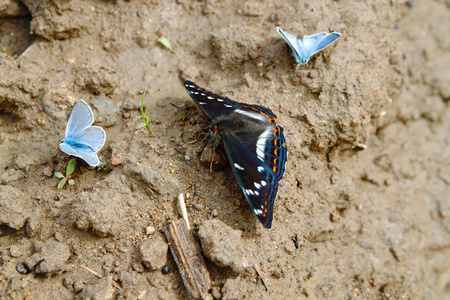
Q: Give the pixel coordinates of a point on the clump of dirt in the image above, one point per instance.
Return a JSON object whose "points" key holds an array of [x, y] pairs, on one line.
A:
{"points": [[362, 210]]}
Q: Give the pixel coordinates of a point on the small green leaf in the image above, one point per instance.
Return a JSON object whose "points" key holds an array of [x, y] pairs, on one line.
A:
{"points": [[61, 183], [101, 166], [70, 182], [247, 80], [59, 175], [183, 116], [165, 42], [71, 166]]}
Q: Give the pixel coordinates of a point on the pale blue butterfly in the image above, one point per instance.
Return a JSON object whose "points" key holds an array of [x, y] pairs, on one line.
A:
{"points": [[83, 140], [310, 45]]}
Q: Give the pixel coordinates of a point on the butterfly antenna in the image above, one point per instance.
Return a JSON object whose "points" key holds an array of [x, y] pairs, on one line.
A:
{"points": [[190, 113]]}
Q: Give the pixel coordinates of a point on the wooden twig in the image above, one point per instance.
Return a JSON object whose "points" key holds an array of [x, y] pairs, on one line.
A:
{"points": [[189, 259], [260, 273], [92, 271]]}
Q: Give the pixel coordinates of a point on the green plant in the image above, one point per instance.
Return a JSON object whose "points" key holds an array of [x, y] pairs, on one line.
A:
{"points": [[183, 116], [145, 115], [101, 166], [69, 170]]}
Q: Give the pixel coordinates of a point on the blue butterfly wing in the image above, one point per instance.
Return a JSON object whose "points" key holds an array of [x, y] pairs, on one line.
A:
{"points": [[92, 138], [293, 42], [83, 140], [210, 104], [320, 41], [80, 118], [309, 44], [88, 156], [85, 144]]}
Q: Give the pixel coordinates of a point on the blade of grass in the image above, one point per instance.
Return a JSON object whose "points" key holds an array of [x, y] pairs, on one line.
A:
{"points": [[145, 116]]}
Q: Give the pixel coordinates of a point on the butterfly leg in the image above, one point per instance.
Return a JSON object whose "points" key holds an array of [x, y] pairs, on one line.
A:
{"points": [[216, 144]]}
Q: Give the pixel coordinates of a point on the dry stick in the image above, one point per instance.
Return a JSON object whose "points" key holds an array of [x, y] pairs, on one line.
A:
{"points": [[100, 276], [258, 270], [189, 259], [92, 271], [183, 210]]}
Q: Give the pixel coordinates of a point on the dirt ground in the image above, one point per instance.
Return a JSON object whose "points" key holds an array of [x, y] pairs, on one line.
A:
{"points": [[363, 210]]}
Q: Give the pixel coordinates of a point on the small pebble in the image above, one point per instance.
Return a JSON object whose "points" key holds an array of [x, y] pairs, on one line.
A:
{"points": [[116, 161], [215, 213], [199, 206], [2, 137], [168, 287], [150, 230], [47, 171], [59, 237], [165, 270], [14, 251], [22, 269], [110, 247]]}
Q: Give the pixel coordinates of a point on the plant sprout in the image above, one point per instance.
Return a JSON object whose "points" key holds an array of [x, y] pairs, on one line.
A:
{"points": [[69, 170], [145, 115]]}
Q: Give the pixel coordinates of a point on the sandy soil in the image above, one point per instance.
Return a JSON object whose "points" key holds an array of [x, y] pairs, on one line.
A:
{"points": [[350, 221]]}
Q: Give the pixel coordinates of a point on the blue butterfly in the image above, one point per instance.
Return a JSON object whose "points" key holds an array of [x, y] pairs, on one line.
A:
{"points": [[83, 140], [310, 45], [253, 144]]}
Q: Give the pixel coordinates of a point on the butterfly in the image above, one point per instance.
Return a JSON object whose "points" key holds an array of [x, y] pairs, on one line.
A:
{"points": [[310, 45], [253, 144], [83, 140]]}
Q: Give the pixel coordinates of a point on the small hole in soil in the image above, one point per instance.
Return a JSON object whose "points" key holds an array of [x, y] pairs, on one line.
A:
{"points": [[15, 34]]}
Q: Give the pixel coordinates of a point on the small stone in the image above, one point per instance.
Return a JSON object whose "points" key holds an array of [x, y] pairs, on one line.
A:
{"points": [[168, 287], [199, 206], [215, 213], [334, 217], [32, 227], [15, 251], [216, 292], [165, 270], [110, 247], [2, 137], [59, 237], [22, 269], [116, 161], [150, 230], [154, 252], [47, 171]]}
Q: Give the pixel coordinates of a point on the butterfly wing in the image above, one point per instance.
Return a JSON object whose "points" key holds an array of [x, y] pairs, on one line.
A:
{"points": [[210, 104], [293, 42], [91, 138], [253, 144], [80, 118], [88, 156], [258, 182], [319, 41]]}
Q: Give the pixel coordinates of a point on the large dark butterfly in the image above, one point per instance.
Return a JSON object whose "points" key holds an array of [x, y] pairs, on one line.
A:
{"points": [[253, 144]]}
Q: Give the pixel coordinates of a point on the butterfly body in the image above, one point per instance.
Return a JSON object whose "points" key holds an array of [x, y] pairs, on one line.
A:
{"points": [[81, 138], [304, 48], [253, 144]]}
